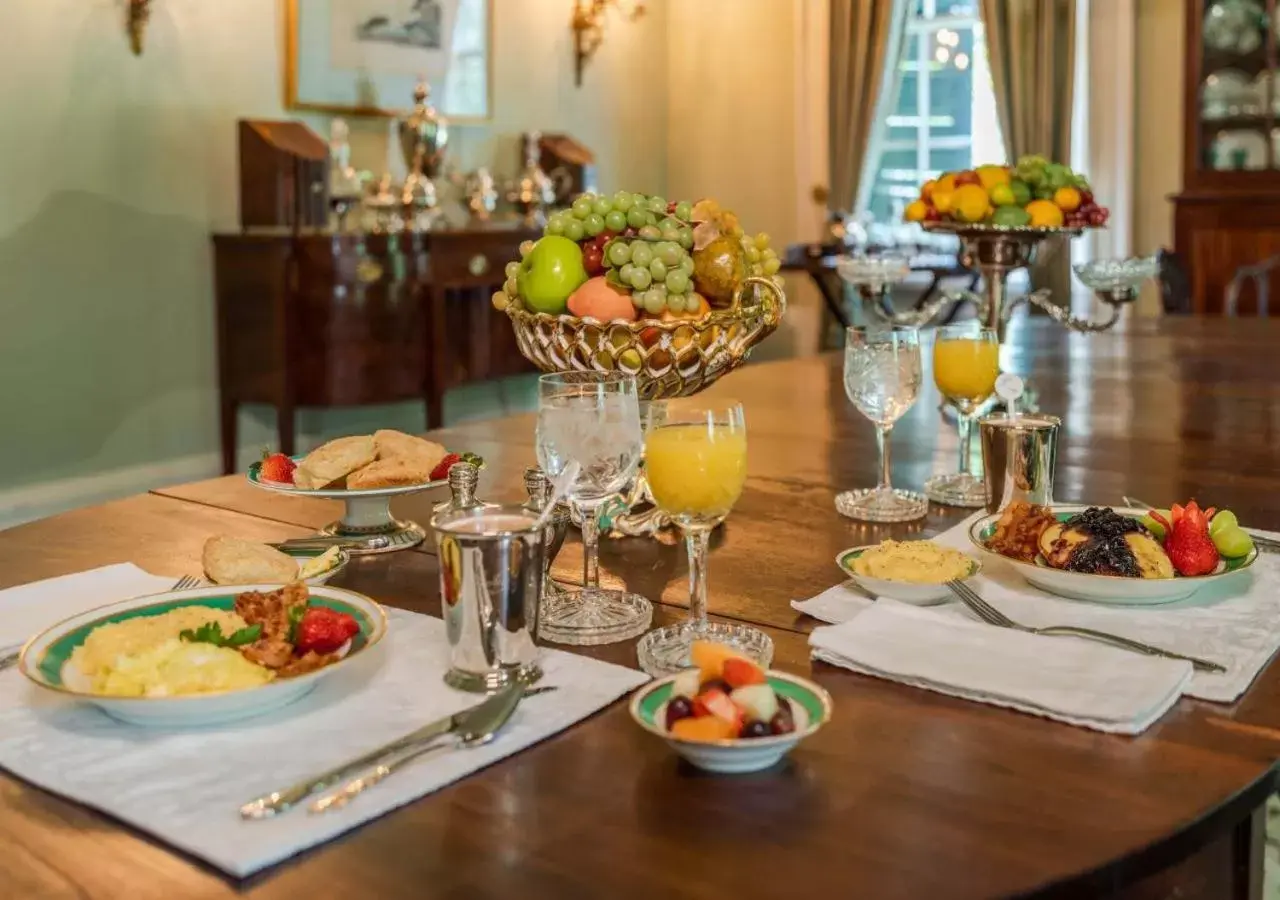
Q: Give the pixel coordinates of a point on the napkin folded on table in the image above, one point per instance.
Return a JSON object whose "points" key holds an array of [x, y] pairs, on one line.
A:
{"points": [[1235, 622], [185, 787], [1078, 682]]}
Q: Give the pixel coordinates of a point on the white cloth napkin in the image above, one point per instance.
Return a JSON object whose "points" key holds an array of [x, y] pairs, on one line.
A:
{"points": [[1081, 683], [186, 787], [1235, 622]]}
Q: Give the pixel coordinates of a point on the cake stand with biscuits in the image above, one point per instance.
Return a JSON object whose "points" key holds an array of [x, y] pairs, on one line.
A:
{"points": [[391, 463]]}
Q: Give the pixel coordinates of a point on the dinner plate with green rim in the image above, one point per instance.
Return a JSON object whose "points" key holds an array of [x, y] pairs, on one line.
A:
{"points": [[810, 708], [46, 658], [905, 591], [255, 478], [1114, 590]]}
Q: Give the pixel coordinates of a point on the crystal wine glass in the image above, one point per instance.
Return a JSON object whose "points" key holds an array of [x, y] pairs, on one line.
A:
{"points": [[696, 463], [882, 379], [966, 363], [593, 418]]}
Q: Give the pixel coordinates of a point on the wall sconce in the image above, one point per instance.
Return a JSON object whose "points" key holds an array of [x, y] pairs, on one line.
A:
{"points": [[137, 13], [588, 27]]}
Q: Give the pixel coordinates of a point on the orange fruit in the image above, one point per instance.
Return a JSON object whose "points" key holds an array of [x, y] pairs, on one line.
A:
{"points": [[990, 176], [970, 203], [946, 182], [1068, 199], [916, 211], [1044, 214], [709, 657], [703, 728], [926, 189]]}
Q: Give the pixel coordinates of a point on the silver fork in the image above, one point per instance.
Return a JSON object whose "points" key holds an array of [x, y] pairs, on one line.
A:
{"points": [[9, 656], [993, 616]]}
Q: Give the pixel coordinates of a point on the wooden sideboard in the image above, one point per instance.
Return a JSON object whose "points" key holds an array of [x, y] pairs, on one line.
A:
{"points": [[323, 320]]}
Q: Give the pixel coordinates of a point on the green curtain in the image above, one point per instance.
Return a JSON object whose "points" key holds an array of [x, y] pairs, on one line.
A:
{"points": [[1031, 45]]}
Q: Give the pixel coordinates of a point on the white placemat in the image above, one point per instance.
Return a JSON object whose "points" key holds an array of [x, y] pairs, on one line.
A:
{"points": [[186, 787], [1235, 622]]}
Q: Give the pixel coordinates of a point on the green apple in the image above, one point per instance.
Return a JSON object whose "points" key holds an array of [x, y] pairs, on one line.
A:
{"points": [[549, 273]]}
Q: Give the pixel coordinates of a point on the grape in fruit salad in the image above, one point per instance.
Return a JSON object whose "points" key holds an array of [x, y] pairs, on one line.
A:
{"points": [[666, 258], [726, 697]]}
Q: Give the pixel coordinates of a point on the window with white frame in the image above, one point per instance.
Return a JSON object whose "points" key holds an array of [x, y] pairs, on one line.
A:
{"points": [[942, 114]]}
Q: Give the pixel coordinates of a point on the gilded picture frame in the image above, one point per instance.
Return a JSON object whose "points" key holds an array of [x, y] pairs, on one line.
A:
{"points": [[364, 57]]}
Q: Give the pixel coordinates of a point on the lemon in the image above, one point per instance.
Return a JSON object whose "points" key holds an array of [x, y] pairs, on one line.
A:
{"points": [[1067, 199], [990, 176], [1044, 214], [970, 203], [915, 211], [1002, 195]]}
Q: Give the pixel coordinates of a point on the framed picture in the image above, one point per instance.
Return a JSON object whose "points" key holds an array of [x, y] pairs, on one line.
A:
{"points": [[364, 57]]}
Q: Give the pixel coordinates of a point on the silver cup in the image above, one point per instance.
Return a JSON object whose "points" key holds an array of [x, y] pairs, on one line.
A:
{"points": [[491, 568], [1018, 457]]}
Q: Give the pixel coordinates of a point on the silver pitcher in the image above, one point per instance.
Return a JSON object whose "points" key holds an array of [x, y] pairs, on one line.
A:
{"points": [[539, 488], [491, 569]]}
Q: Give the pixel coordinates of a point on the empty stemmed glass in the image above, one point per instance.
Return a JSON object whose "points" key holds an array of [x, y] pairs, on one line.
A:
{"points": [[882, 379], [696, 465], [966, 363], [594, 419]]}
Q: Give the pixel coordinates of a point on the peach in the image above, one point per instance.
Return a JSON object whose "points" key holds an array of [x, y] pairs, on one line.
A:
{"points": [[597, 299]]}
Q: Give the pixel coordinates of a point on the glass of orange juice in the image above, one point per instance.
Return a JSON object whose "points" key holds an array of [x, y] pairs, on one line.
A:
{"points": [[966, 363], [696, 466]]}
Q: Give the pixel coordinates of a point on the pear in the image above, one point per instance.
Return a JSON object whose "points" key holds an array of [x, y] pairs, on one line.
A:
{"points": [[719, 269]]}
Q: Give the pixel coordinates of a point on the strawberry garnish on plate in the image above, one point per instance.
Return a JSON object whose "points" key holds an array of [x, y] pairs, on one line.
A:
{"points": [[1187, 539], [277, 467], [324, 630], [442, 468]]}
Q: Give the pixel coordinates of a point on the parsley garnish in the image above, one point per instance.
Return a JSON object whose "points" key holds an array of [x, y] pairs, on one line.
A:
{"points": [[211, 633], [295, 617]]}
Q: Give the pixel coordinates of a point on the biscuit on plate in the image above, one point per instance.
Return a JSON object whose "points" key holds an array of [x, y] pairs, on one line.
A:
{"points": [[391, 472], [229, 560], [391, 444], [329, 462]]}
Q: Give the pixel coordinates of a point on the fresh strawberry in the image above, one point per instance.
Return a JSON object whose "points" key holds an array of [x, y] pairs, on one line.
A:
{"points": [[442, 468], [717, 702], [1187, 539], [276, 467], [324, 630]]}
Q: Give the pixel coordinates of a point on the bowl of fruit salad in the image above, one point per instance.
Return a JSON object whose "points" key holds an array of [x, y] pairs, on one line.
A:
{"points": [[727, 714], [675, 293]]}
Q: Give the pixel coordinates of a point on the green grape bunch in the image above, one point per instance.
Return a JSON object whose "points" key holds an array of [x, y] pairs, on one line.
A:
{"points": [[640, 243]]}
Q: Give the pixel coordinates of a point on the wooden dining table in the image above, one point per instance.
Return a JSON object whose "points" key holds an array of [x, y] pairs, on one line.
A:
{"points": [[904, 794]]}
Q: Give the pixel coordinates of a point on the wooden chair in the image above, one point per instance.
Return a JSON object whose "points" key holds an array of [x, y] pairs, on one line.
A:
{"points": [[1260, 275]]}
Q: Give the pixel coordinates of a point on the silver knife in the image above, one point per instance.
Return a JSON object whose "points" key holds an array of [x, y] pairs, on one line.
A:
{"points": [[479, 725], [324, 542], [280, 801]]}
